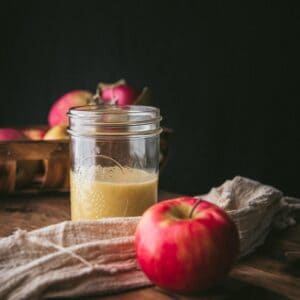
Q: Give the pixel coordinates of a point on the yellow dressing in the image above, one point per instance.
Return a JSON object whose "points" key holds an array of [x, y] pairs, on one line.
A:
{"points": [[111, 192]]}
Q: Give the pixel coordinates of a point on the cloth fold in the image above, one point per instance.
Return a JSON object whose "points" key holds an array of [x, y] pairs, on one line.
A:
{"points": [[73, 259], [255, 208]]}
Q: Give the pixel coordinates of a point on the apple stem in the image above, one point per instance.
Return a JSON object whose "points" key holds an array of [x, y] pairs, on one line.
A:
{"points": [[96, 99], [194, 207]]}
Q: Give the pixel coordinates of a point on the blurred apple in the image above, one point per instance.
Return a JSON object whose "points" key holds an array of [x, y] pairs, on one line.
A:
{"points": [[58, 112], [121, 94], [9, 134], [34, 133], [58, 132]]}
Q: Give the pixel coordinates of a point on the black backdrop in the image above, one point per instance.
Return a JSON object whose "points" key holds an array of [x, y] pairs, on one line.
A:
{"points": [[225, 76]]}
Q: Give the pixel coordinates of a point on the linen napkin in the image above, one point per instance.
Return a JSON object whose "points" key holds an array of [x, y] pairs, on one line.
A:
{"points": [[255, 208], [73, 259], [70, 259]]}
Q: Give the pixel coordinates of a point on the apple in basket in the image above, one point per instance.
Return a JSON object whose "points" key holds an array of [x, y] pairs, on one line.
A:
{"points": [[58, 112], [119, 92], [34, 134], [186, 244], [58, 132], [10, 134]]}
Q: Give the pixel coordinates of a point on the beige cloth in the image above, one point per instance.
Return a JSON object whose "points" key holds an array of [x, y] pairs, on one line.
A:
{"points": [[70, 259], [255, 208], [97, 257]]}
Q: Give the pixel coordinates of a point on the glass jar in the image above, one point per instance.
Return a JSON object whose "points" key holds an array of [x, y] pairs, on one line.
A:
{"points": [[114, 160]]}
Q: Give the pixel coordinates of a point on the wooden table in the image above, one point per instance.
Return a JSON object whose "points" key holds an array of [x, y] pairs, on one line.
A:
{"points": [[267, 274]]}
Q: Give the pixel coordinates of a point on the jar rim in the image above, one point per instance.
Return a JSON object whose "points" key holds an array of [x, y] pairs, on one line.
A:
{"points": [[107, 119], [136, 114]]}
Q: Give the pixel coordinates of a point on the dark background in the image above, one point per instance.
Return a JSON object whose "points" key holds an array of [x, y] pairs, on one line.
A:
{"points": [[225, 75]]}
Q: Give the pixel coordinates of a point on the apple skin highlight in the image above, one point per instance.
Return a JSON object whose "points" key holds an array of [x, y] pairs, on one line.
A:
{"points": [[185, 254]]}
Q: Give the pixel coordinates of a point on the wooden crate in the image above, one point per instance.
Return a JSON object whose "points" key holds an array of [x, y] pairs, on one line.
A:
{"points": [[28, 166]]}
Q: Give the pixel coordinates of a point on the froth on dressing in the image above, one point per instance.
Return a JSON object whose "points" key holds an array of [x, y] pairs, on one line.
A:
{"points": [[100, 192]]}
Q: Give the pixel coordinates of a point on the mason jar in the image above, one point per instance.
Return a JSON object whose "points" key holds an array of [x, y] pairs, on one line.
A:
{"points": [[114, 160]]}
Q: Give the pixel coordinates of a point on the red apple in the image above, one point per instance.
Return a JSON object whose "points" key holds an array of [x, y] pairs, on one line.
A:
{"points": [[122, 94], [8, 134], [182, 252], [58, 112]]}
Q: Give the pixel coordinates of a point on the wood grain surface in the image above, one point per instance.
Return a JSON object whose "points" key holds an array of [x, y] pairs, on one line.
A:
{"points": [[273, 272]]}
